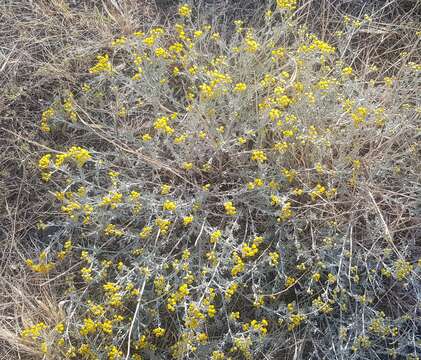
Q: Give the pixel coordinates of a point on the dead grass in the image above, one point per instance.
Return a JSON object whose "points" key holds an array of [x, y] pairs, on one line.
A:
{"points": [[25, 305]]}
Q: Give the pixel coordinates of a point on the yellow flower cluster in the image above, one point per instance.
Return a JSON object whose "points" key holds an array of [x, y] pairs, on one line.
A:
{"points": [[230, 208], [162, 124], [163, 224], [238, 264], [89, 327], [255, 184], [76, 153], [146, 231], [232, 289], [44, 162], [261, 327], [187, 220], [169, 205], [158, 332], [176, 297], [360, 115], [322, 306], [287, 4], [113, 200], [45, 117], [251, 44], [103, 65], [112, 230], [402, 269], [184, 10], [67, 248], [68, 106], [317, 192], [240, 87], [34, 331], [250, 251], [86, 274], [119, 41], [165, 189], [114, 353], [43, 266], [286, 212], [295, 321], [274, 258], [194, 317], [259, 156]]}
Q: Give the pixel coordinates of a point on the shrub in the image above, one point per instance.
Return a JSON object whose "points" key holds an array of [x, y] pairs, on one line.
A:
{"points": [[245, 195]]}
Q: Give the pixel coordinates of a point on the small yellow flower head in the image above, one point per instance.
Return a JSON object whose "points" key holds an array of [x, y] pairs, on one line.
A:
{"points": [[187, 220], [258, 182], [316, 276], [235, 315], [202, 337], [89, 327], [187, 165], [162, 124], [287, 4], [169, 205], [146, 137], [146, 231], [230, 208], [290, 281], [259, 156], [134, 195], [217, 355], [319, 168], [79, 155], [238, 23], [220, 129], [60, 328], [106, 326], [359, 115], [211, 311], [46, 115], [317, 192], [44, 347], [184, 10], [114, 353], [111, 230], [215, 236], [347, 71], [274, 258], [275, 200], [331, 278], [44, 162], [119, 41], [103, 65], [86, 274], [403, 269], [240, 87], [388, 81], [241, 140], [215, 36], [275, 114], [165, 189], [231, 291], [34, 331], [158, 332], [249, 251]]}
